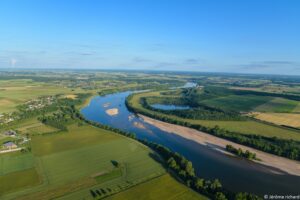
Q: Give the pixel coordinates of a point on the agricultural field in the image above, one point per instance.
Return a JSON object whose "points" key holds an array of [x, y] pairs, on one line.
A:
{"points": [[156, 189], [286, 119], [71, 161], [279, 105], [237, 103], [31, 126], [248, 103]]}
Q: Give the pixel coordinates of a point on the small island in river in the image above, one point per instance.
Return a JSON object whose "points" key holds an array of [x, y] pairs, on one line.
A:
{"points": [[112, 112]]}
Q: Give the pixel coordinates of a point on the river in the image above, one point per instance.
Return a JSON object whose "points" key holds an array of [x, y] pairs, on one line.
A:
{"points": [[235, 174]]}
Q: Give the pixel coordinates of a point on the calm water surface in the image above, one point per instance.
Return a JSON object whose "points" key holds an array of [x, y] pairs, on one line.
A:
{"points": [[169, 107], [236, 174]]}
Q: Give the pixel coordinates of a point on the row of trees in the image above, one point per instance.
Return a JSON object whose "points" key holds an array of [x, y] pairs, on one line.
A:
{"points": [[281, 147], [239, 152]]}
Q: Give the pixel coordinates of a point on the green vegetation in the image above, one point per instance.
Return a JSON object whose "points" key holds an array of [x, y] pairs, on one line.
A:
{"points": [[17, 180], [237, 103], [16, 162], [239, 152], [115, 173], [164, 187], [280, 105]]}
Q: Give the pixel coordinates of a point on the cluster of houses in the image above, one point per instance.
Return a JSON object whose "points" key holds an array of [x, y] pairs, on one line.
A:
{"points": [[6, 118], [39, 103], [10, 145]]}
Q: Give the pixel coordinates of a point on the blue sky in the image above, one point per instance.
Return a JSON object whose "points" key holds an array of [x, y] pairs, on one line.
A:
{"points": [[254, 36]]}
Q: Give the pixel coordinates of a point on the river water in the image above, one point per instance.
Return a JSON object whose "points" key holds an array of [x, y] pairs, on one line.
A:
{"points": [[236, 174]]}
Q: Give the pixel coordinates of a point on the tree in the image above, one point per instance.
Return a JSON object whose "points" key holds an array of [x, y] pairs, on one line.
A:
{"points": [[199, 183], [220, 196], [189, 169], [182, 174], [172, 163], [215, 185]]}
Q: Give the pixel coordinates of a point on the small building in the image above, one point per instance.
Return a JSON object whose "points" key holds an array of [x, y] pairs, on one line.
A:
{"points": [[9, 145], [10, 133]]}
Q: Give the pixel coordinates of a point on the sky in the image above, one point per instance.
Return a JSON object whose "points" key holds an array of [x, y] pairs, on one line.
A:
{"points": [[240, 36]]}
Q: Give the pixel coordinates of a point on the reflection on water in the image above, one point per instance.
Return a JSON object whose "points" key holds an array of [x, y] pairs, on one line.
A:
{"points": [[169, 107], [236, 174]]}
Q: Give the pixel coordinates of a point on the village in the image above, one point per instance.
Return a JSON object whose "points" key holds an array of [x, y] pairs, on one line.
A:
{"points": [[31, 105]]}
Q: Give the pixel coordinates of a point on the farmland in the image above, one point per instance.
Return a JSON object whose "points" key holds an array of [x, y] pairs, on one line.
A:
{"points": [[237, 103], [67, 157], [287, 119], [155, 189]]}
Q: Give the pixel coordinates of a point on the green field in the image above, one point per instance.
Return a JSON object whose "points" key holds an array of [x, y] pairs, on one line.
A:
{"points": [[237, 102], [17, 180], [164, 187], [278, 105], [16, 162], [251, 127], [247, 103]]}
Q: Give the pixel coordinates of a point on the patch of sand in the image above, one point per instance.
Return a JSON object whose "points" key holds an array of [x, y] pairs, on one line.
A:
{"points": [[71, 96], [286, 165], [112, 112]]}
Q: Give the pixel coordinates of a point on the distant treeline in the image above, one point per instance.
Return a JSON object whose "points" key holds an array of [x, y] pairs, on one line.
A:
{"points": [[149, 86], [286, 148]]}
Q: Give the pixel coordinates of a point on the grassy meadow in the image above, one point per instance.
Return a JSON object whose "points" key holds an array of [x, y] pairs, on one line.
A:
{"points": [[156, 189]]}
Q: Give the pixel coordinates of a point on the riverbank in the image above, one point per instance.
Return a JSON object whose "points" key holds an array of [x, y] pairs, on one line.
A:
{"points": [[283, 164]]}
